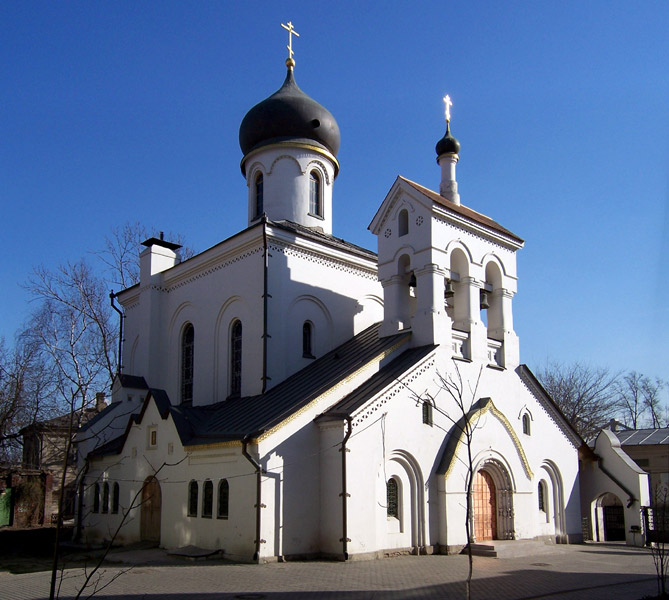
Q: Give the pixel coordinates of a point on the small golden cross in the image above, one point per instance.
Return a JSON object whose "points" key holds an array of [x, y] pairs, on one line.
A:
{"points": [[448, 103], [291, 33]]}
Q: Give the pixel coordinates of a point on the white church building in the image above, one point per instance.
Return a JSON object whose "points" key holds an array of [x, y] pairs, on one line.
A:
{"points": [[288, 394]]}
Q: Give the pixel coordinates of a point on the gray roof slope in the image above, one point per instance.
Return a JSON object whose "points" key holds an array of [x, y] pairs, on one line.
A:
{"points": [[378, 382], [237, 418], [643, 437], [319, 236]]}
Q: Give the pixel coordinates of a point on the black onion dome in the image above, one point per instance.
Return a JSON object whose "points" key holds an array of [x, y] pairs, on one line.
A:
{"points": [[448, 144], [288, 114]]}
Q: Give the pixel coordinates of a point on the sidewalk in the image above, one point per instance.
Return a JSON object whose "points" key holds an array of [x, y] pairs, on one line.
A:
{"points": [[585, 572]]}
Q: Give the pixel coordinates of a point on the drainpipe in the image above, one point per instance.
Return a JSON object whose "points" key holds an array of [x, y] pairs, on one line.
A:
{"points": [[112, 297], [259, 505], [265, 297], [344, 494], [80, 504]]}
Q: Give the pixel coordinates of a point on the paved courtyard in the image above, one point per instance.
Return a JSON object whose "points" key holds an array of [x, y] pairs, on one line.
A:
{"points": [[572, 572]]}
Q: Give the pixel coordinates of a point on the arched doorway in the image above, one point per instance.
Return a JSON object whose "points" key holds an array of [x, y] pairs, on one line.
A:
{"points": [[492, 514], [484, 506], [610, 518], [150, 515]]}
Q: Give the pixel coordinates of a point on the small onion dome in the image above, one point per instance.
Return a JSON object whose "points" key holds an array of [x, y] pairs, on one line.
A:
{"points": [[448, 144], [289, 115]]}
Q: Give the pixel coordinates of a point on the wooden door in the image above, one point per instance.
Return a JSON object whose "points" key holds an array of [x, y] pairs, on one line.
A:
{"points": [[484, 505], [150, 516]]}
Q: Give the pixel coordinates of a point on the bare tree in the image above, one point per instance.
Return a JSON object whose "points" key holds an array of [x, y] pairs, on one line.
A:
{"points": [[630, 398], [651, 390], [587, 396], [72, 327], [657, 532], [121, 253], [26, 397], [464, 420]]}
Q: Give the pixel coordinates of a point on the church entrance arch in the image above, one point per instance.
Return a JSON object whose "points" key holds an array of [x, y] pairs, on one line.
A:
{"points": [[610, 514], [492, 502], [150, 514]]}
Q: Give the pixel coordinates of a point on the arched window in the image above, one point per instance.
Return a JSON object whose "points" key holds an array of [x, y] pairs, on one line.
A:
{"points": [[96, 498], [315, 201], [541, 496], [427, 412], [192, 499], [259, 207], [187, 351], [526, 424], [236, 359], [403, 223], [307, 331], [207, 499], [115, 497], [223, 499], [105, 497], [392, 498]]}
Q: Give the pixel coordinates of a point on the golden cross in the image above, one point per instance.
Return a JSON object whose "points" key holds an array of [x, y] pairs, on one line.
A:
{"points": [[448, 103], [291, 33]]}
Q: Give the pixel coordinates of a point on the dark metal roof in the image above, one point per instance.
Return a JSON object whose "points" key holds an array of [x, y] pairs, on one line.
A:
{"points": [[237, 418], [462, 210], [111, 408], [134, 382], [288, 114], [448, 144], [160, 242], [378, 382], [324, 238], [643, 437]]}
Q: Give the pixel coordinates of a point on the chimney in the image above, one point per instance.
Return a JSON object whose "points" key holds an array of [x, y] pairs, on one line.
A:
{"points": [[100, 403]]}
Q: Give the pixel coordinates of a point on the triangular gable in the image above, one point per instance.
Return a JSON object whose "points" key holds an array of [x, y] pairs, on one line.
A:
{"points": [[164, 407], [544, 399], [436, 203], [399, 187]]}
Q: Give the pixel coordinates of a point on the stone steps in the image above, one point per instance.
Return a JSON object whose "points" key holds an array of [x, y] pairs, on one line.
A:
{"points": [[511, 548]]}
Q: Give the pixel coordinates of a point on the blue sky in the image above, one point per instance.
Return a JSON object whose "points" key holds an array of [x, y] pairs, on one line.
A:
{"points": [[129, 111]]}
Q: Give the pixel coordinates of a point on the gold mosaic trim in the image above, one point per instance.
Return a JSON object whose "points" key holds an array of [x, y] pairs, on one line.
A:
{"points": [[213, 445], [489, 406]]}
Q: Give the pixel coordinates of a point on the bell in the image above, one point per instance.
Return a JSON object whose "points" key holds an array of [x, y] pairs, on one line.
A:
{"points": [[484, 300], [449, 292], [412, 280]]}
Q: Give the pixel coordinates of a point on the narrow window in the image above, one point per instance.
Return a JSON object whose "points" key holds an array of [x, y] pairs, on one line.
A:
{"points": [[105, 497], [192, 499], [187, 350], [207, 499], [96, 498], [526, 424], [223, 499], [403, 225], [315, 203], [115, 498], [427, 412], [259, 208], [392, 498], [236, 359], [307, 350], [542, 500]]}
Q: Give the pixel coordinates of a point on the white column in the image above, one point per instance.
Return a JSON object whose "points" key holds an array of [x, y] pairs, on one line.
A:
{"points": [[395, 305], [430, 324], [448, 188]]}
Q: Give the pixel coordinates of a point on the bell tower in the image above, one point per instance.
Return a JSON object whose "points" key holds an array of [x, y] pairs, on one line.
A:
{"points": [[448, 272]]}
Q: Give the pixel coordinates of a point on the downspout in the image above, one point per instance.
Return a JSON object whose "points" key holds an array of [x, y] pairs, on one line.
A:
{"points": [[80, 504], [112, 297], [344, 494], [259, 505], [265, 296]]}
